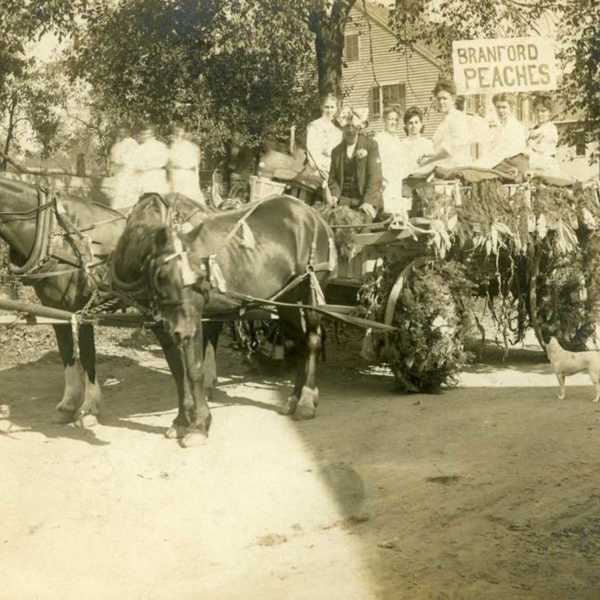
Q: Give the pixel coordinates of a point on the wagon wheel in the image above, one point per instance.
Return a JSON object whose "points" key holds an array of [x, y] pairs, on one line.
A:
{"points": [[428, 349], [252, 337]]}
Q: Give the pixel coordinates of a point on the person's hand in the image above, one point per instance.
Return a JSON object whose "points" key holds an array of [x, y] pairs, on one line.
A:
{"points": [[424, 159], [369, 211]]}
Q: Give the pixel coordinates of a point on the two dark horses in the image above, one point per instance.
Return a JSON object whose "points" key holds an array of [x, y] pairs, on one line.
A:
{"points": [[258, 252]]}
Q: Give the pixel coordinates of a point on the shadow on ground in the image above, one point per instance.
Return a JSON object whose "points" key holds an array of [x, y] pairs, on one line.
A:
{"points": [[480, 492]]}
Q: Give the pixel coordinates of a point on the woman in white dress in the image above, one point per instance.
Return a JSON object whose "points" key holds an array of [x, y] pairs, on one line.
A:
{"points": [[451, 140], [508, 137], [415, 144], [543, 139], [152, 163], [183, 166], [392, 165], [322, 136], [124, 180]]}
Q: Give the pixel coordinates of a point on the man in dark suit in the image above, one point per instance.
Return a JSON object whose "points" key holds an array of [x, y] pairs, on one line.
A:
{"points": [[355, 178]]}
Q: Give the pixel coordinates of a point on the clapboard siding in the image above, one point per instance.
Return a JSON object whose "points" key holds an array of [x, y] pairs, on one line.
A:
{"points": [[417, 72]]}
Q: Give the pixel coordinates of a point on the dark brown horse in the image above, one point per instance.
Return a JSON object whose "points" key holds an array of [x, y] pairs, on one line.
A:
{"points": [[58, 246], [277, 248]]}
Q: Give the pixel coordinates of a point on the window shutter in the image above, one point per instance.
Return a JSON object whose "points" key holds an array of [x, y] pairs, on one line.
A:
{"points": [[351, 47], [375, 102], [402, 99]]}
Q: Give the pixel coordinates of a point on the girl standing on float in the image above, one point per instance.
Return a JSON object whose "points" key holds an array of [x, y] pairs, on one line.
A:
{"points": [[392, 163], [322, 136]]}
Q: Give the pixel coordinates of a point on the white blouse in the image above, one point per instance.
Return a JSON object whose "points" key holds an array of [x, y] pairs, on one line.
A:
{"points": [[452, 135], [541, 145], [322, 136], [184, 158], [152, 163], [413, 147], [124, 155], [506, 140], [390, 154]]}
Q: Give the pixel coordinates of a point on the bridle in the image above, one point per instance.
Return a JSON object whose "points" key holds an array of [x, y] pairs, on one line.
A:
{"points": [[48, 215], [43, 226]]}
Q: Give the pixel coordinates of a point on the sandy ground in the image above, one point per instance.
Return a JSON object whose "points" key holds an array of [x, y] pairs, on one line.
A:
{"points": [[491, 490]]}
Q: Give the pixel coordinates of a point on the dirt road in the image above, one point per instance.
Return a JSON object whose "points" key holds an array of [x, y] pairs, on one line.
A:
{"points": [[491, 490]]}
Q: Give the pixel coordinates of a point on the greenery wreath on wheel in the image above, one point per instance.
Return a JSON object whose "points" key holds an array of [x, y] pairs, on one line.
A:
{"points": [[432, 317]]}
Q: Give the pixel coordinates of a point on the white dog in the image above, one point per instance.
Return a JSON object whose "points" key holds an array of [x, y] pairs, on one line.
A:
{"points": [[568, 363]]}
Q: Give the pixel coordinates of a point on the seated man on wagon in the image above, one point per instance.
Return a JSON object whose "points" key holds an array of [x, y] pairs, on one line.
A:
{"points": [[355, 178]]}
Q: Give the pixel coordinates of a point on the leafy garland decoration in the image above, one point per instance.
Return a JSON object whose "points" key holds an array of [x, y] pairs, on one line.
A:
{"points": [[534, 257]]}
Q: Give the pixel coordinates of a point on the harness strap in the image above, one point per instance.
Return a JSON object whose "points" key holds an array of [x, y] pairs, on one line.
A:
{"points": [[47, 274], [248, 240], [39, 249]]}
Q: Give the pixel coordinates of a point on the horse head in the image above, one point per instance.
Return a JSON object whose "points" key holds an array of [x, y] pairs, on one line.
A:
{"points": [[179, 292]]}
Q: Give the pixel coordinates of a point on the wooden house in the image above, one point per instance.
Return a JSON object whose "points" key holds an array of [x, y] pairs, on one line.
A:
{"points": [[376, 75]]}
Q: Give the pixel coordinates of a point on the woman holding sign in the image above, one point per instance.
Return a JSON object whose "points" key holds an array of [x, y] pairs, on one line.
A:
{"points": [[451, 140]]}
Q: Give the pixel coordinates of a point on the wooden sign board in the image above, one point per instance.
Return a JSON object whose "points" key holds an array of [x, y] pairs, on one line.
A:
{"points": [[525, 64]]}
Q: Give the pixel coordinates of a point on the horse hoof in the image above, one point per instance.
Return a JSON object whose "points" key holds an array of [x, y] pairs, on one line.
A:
{"points": [[63, 417], [87, 421], [289, 406], [175, 432], [194, 439], [307, 405]]}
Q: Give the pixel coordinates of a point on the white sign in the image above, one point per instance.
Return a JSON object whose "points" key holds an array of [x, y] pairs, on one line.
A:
{"points": [[524, 64]]}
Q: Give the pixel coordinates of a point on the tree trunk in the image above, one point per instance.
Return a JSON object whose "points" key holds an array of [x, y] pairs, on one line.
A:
{"points": [[328, 21], [10, 130]]}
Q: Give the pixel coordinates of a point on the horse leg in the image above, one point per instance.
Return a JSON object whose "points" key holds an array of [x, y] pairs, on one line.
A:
{"points": [[172, 355], [71, 398], [87, 415], [292, 318], [309, 395], [291, 402], [211, 340], [198, 411]]}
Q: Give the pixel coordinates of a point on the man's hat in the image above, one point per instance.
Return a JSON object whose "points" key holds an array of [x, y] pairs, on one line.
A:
{"points": [[359, 117]]}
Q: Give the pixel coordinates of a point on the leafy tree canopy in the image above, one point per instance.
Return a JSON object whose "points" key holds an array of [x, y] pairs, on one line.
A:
{"points": [[217, 66]]}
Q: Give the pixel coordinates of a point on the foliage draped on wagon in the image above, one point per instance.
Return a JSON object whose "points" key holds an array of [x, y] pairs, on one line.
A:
{"points": [[532, 254]]}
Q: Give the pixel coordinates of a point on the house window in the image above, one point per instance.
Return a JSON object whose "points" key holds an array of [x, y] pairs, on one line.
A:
{"points": [[580, 143], [351, 47], [475, 105], [387, 95], [522, 108]]}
